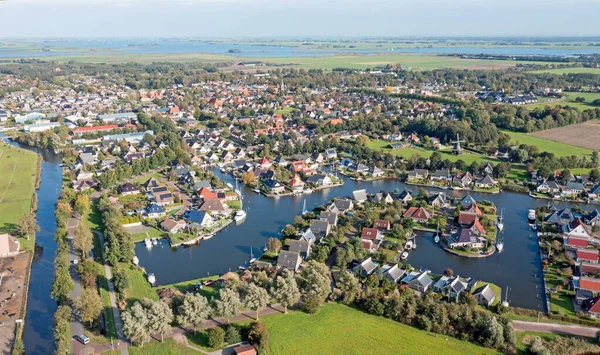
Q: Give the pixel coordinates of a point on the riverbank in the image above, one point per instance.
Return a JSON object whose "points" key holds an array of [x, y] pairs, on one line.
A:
{"points": [[467, 189], [200, 237], [318, 188], [468, 254], [547, 198]]}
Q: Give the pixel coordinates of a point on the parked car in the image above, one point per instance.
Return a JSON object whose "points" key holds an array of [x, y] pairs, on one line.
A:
{"points": [[82, 339]]}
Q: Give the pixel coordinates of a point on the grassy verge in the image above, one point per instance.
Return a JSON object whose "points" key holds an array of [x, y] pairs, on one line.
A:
{"points": [[19, 170], [151, 233], [111, 329], [210, 292], [139, 287]]}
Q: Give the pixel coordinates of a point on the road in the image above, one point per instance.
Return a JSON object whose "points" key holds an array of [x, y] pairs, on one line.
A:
{"points": [[77, 327], [521, 326]]}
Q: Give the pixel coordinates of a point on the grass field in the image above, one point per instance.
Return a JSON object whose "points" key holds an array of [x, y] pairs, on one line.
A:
{"points": [[406, 153], [139, 287], [569, 100], [337, 329], [168, 346], [209, 292], [559, 71], [151, 233], [17, 184], [545, 145]]}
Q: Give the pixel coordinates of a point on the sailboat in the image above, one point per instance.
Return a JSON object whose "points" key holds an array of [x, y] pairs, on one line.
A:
{"points": [[505, 302], [237, 190], [499, 245], [304, 210], [437, 235], [500, 223], [252, 258]]}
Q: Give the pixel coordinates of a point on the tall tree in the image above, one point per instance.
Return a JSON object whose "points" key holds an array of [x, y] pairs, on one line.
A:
{"points": [[316, 281], [135, 324], [349, 286], [27, 225], [256, 298], [285, 290], [89, 305], [160, 317], [228, 304], [259, 337], [274, 245], [84, 240], [194, 310]]}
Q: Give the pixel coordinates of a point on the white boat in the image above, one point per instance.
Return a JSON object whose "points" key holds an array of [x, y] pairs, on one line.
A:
{"points": [[148, 243], [230, 186], [240, 216], [242, 267], [500, 223], [151, 278], [154, 241], [500, 246], [534, 227], [256, 190], [500, 226], [531, 216], [404, 255], [135, 261], [252, 258], [408, 245], [436, 239], [309, 191]]}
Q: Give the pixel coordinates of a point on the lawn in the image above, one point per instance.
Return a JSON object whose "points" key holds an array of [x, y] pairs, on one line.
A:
{"points": [[406, 153], [139, 287], [103, 286], [151, 233], [210, 292], [168, 346], [17, 186], [338, 329], [545, 145], [235, 204], [144, 178]]}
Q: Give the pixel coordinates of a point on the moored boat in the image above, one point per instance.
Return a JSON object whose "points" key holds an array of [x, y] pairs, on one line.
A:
{"points": [[151, 278], [500, 246], [240, 216], [404, 255], [436, 239], [531, 216], [148, 243]]}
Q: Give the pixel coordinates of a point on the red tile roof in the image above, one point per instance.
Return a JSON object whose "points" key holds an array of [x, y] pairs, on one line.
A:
{"points": [[369, 233], [587, 254], [588, 283], [95, 129], [592, 304], [589, 268], [579, 242]]}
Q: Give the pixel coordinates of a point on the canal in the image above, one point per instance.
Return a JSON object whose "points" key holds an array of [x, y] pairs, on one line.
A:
{"points": [[38, 334], [517, 267]]}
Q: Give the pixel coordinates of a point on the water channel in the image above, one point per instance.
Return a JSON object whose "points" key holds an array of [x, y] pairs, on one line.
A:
{"points": [[518, 266], [39, 318]]}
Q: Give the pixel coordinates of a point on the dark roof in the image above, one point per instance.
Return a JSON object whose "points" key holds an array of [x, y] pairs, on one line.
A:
{"points": [[288, 259], [154, 208]]}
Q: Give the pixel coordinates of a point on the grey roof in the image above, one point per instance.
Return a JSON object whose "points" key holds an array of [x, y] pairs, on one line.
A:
{"points": [[563, 216], [288, 259], [154, 208], [441, 173], [202, 183], [424, 280], [394, 273], [318, 226], [196, 216], [300, 246], [485, 292], [272, 183], [315, 178], [574, 185], [360, 195], [329, 217]]}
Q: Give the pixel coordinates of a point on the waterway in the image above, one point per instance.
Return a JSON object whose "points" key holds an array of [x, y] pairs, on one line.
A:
{"points": [[38, 332], [517, 267], [103, 46]]}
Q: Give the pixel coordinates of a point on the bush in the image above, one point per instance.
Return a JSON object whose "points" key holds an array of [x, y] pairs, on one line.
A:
{"points": [[232, 335], [259, 337], [312, 303], [423, 323], [216, 337]]}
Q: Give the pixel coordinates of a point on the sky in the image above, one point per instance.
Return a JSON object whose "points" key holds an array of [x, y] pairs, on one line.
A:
{"points": [[316, 18]]}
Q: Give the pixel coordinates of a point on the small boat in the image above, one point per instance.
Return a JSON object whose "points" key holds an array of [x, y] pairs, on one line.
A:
{"points": [[256, 190], [499, 246], [534, 227], [436, 239], [252, 258], [148, 243], [154, 241], [531, 216], [500, 223], [309, 191], [135, 261], [240, 216], [151, 278], [230, 185], [408, 245], [242, 267], [404, 255]]}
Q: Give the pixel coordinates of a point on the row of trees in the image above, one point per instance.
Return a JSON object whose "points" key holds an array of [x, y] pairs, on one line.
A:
{"points": [[118, 246]]}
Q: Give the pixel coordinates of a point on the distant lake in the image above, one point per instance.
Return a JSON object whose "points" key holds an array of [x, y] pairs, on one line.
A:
{"points": [[184, 46]]}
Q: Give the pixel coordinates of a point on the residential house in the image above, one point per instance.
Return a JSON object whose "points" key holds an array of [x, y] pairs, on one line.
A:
{"points": [[375, 172], [274, 186], [173, 226], [466, 238], [301, 247], [330, 217], [405, 196], [438, 200], [360, 196], [330, 154], [561, 217], [417, 214], [128, 189], [485, 183], [592, 307], [9, 245], [572, 189], [464, 179], [587, 255], [576, 229], [289, 260], [441, 175], [418, 281], [393, 273], [592, 218], [419, 174], [320, 228], [548, 187], [154, 211], [341, 205], [201, 219], [296, 184], [319, 180], [213, 206], [382, 225], [366, 267], [485, 295]]}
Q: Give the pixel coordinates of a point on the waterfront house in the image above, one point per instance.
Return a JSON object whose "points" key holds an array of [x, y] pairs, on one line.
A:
{"points": [[587, 255], [360, 196], [320, 228], [466, 238], [592, 218], [393, 273], [296, 184], [588, 268], [341, 205], [308, 236], [485, 295], [213, 206], [301, 247], [587, 284], [375, 172], [417, 214], [200, 219], [371, 234], [9, 245], [154, 211], [440, 175], [576, 229], [438, 200], [548, 187], [467, 202], [418, 174], [366, 267], [561, 217], [572, 189], [274, 186], [299, 167], [173, 226], [358, 168], [128, 189], [289, 260], [418, 281], [330, 154], [486, 182], [330, 217], [380, 197], [382, 225], [591, 306], [405, 196], [464, 179], [576, 242], [319, 180]]}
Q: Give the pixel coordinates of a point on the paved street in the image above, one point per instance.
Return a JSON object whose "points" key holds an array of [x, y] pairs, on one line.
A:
{"points": [[522, 326]]}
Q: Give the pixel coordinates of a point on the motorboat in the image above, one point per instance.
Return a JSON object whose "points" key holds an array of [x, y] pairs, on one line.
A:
{"points": [[534, 227], [500, 223], [154, 241], [408, 245], [436, 238], [135, 261], [256, 190], [148, 243], [230, 186], [309, 191], [151, 278], [240, 216], [531, 216], [404, 255], [499, 246]]}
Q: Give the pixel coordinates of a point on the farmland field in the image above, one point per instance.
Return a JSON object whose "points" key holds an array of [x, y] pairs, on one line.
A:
{"points": [[568, 71], [17, 184], [338, 329], [545, 145], [582, 135]]}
